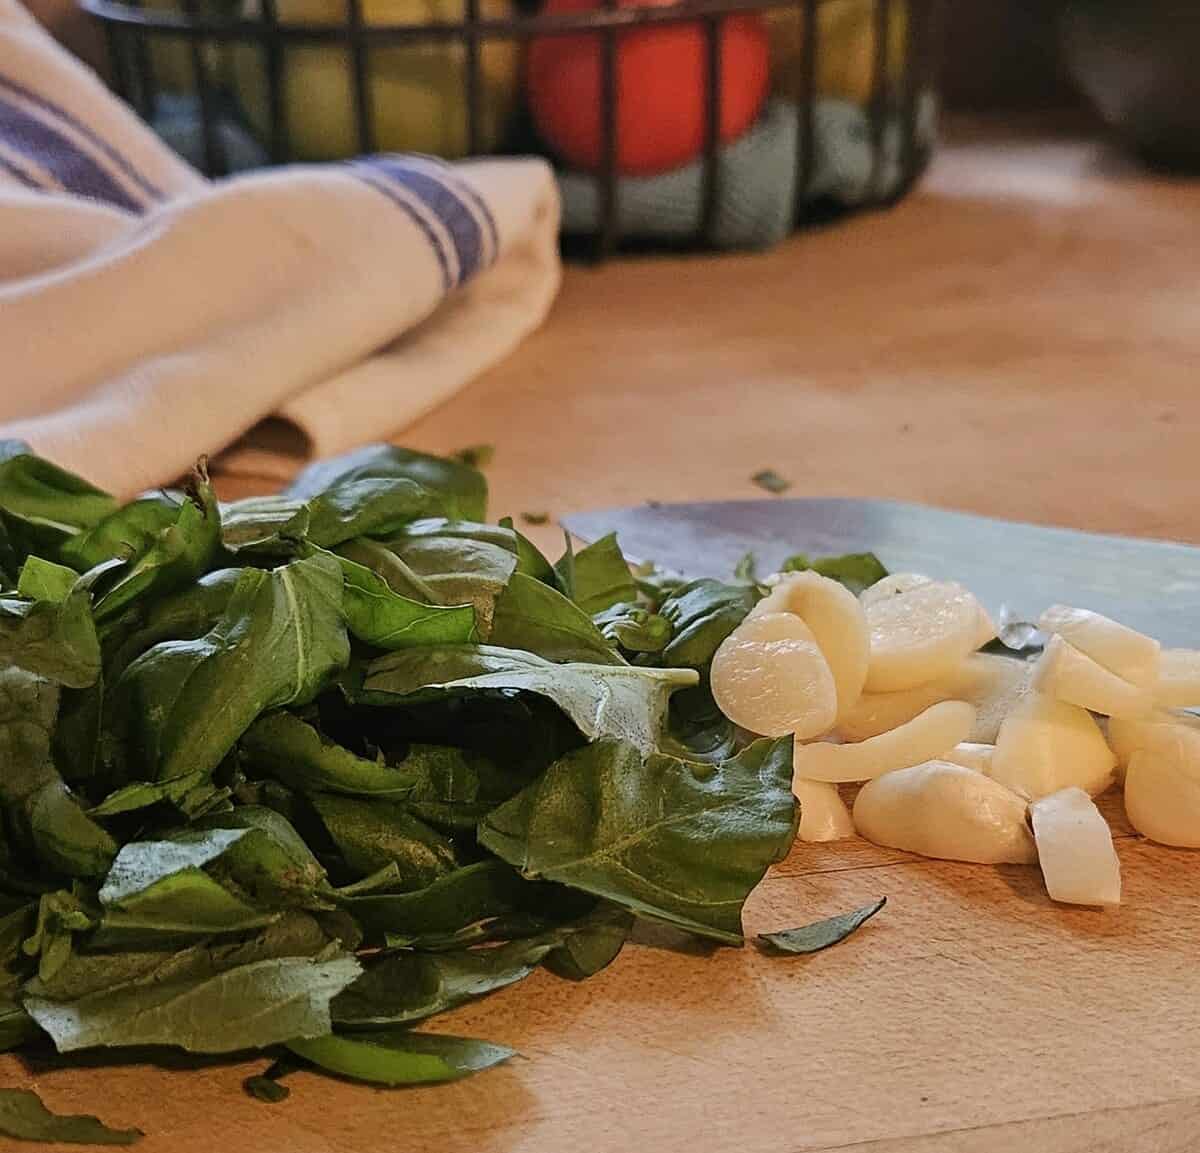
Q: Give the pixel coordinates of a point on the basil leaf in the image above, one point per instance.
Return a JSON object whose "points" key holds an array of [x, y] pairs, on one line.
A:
{"points": [[533, 616], [43, 580], [43, 506], [16, 1026], [599, 576], [820, 934], [143, 794], [55, 639], [383, 618], [857, 571], [248, 1007], [401, 1058], [459, 490], [669, 840], [634, 628], [374, 834], [592, 944], [601, 700], [404, 988], [181, 706], [702, 614], [59, 916], [24, 1117], [128, 531]]}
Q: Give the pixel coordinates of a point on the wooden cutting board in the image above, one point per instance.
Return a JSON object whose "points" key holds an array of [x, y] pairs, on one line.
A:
{"points": [[1019, 340]]}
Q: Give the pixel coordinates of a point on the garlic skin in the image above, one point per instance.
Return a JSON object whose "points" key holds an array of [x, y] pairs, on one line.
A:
{"points": [[993, 684], [1046, 745], [971, 755], [944, 810], [1075, 849], [823, 813], [1178, 684], [927, 736], [1162, 787], [1067, 674], [837, 621], [770, 676], [1125, 652], [920, 635]]}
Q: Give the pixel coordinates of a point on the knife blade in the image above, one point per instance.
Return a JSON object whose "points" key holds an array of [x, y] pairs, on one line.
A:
{"points": [[1150, 585]]}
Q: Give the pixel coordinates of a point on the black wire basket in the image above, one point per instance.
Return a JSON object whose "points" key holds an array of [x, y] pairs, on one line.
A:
{"points": [[217, 51]]}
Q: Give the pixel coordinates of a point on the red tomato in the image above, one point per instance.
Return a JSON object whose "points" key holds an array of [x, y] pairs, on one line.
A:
{"points": [[661, 89]]}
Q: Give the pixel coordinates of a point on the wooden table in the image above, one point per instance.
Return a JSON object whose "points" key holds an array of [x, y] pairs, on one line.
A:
{"points": [[1021, 338]]}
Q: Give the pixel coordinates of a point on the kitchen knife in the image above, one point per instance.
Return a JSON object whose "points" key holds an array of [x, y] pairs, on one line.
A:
{"points": [[1150, 585]]}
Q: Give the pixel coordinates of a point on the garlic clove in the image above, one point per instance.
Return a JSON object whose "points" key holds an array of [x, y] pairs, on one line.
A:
{"points": [[823, 813], [1075, 849], [1125, 652], [1067, 674]]}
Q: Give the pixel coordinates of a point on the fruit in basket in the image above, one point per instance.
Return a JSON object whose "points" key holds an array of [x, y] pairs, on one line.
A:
{"points": [[661, 89], [845, 48], [418, 91], [171, 56]]}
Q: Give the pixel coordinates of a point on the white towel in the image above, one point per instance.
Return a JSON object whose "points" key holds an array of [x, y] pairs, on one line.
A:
{"points": [[148, 316]]}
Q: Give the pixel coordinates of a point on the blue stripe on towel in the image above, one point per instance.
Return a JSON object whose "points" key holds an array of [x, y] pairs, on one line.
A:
{"points": [[19, 174], [74, 169], [368, 175], [481, 205], [98, 141], [444, 201]]}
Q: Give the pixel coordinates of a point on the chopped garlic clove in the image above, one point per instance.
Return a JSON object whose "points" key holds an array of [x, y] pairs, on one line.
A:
{"points": [[993, 684], [770, 677], [1045, 745], [1123, 651], [894, 584], [971, 755], [1126, 737], [1162, 787], [1178, 679], [920, 635], [1067, 674], [929, 735], [837, 621], [948, 811], [1075, 849], [823, 813]]}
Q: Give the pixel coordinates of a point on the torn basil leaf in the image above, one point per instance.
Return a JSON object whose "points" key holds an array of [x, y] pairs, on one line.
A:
{"points": [[857, 571], [400, 1057], [599, 575], [820, 934], [702, 613], [24, 1117], [537, 618]]}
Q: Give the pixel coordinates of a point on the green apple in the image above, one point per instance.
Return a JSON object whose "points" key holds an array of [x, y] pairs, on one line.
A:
{"points": [[845, 48], [418, 91]]}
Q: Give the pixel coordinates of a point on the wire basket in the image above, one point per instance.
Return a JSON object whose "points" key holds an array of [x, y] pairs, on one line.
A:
{"points": [[201, 37]]}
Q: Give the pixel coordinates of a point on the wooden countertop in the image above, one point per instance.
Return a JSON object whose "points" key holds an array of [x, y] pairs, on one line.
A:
{"points": [[1021, 338]]}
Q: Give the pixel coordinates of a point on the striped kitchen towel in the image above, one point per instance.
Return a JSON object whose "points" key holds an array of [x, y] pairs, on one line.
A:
{"points": [[148, 316]]}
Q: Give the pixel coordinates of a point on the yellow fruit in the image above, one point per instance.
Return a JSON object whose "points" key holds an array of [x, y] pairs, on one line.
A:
{"points": [[845, 48], [418, 91]]}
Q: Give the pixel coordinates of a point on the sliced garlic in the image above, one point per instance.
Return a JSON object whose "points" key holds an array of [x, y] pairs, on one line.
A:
{"points": [[971, 755], [1178, 679], [769, 676], [1123, 651], [823, 813], [993, 684], [927, 736], [837, 621], [1067, 674], [1075, 849], [1046, 745], [920, 635], [943, 810], [1162, 787], [894, 584], [1126, 737]]}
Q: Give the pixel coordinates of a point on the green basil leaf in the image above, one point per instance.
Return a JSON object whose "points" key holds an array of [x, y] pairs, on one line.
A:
{"points": [[820, 934], [128, 531], [59, 916], [673, 841], [404, 988], [401, 1057], [601, 700], [702, 614], [533, 616], [383, 618], [181, 706], [25, 1118], [249, 1007], [55, 639], [374, 834], [266, 1087], [17, 1027], [143, 794], [592, 944], [634, 628], [599, 576], [857, 571], [43, 580]]}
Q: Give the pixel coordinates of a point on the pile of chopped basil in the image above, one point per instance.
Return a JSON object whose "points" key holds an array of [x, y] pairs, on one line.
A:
{"points": [[299, 772]]}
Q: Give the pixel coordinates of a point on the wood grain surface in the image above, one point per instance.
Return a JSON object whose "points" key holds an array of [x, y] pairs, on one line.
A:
{"points": [[1020, 339]]}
